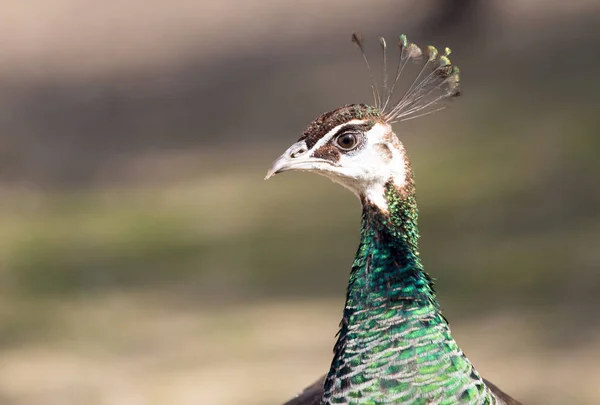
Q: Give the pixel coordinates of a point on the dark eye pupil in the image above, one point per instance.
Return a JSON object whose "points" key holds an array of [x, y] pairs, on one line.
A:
{"points": [[347, 141]]}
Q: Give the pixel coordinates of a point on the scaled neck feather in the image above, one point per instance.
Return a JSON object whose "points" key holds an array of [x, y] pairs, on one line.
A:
{"points": [[394, 345]]}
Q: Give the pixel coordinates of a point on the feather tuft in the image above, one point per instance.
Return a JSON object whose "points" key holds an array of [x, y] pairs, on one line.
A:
{"points": [[414, 52], [437, 81], [402, 41], [358, 40], [383, 44], [432, 53]]}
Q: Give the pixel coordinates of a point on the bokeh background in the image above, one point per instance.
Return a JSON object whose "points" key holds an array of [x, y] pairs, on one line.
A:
{"points": [[143, 260]]}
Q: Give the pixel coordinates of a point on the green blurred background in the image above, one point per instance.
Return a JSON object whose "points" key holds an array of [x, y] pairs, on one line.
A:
{"points": [[143, 260]]}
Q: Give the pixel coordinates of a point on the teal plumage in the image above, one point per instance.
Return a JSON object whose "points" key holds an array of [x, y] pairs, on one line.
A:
{"points": [[394, 345]]}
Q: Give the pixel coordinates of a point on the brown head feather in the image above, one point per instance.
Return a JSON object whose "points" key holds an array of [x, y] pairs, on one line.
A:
{"points": [[329, 120]]}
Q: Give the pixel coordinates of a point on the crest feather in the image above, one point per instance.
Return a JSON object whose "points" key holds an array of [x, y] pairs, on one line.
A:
{"points": [[437, 81]]}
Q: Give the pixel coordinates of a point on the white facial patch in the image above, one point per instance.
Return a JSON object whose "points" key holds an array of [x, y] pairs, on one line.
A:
{"points": [[366, 170]]}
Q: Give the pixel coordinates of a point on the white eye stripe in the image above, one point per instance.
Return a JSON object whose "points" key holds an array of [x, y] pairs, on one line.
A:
{"points": [[333, 132]]}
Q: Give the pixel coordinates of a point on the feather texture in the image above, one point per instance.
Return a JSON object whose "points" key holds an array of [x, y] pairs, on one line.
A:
{"points": [[394, 345], [312, 394]]}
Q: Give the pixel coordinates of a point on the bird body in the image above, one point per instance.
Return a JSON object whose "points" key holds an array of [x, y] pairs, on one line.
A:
{"points": [[394, 345]]}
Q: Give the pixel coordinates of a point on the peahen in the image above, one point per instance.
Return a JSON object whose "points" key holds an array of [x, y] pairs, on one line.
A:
{"points": [[394, 345]]}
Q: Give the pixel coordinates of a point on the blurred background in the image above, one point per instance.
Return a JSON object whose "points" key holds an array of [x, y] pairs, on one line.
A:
{"points": [[143, 259]]}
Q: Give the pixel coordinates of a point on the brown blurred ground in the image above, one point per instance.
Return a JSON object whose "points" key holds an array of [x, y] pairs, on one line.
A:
{"points": [[143, 260]]}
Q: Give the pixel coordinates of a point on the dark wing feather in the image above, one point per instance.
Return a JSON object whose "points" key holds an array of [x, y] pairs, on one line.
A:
{"points": [[500, 394], [311, 395]]}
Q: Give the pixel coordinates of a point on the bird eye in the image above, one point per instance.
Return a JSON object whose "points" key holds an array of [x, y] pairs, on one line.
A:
{"points": [[347, 141]]}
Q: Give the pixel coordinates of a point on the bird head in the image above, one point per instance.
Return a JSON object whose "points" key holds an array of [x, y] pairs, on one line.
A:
{"points": [[355, 145]]}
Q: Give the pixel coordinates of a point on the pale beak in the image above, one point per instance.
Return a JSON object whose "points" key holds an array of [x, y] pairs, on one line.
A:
{"points": [[296, 158], [282, 164]]}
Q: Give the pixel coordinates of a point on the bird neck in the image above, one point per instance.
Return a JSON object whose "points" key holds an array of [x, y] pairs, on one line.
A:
{"points": [[394, 344], [387, 266]]}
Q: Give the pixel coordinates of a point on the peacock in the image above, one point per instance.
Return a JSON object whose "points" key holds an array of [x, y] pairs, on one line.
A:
{"points": [[394, 345]]}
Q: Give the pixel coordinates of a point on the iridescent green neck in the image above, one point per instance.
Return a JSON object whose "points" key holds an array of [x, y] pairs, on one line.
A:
{"points": [[387, 265], [394, 345]]}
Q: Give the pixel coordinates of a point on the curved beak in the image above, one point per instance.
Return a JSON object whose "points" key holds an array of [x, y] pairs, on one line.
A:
{"points": [[296, 158], [282, 164]]}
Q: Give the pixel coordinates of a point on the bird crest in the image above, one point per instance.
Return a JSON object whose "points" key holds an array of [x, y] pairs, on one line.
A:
{"points": [[436, 81]]}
